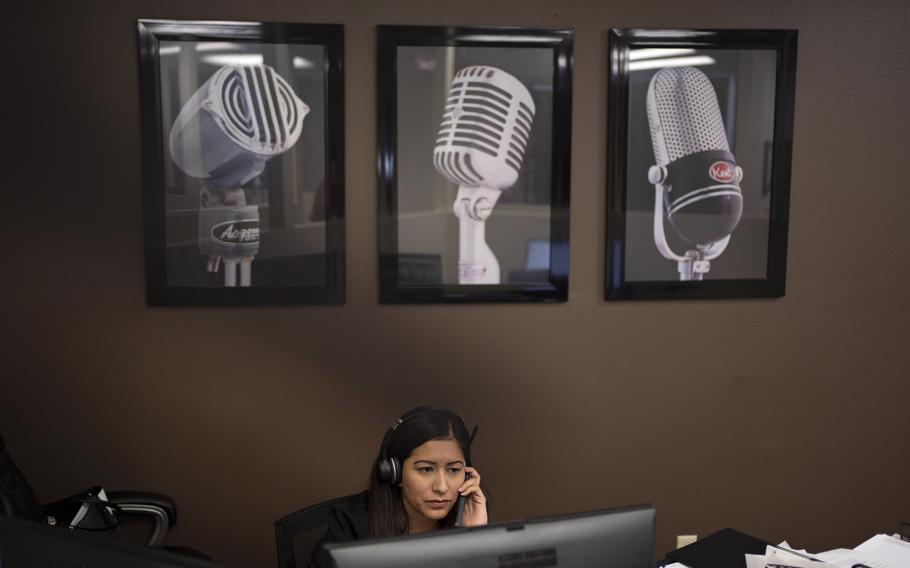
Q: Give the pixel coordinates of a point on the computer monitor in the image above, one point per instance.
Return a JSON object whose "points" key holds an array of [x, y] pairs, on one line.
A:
{"points": [[27, 544], [615, 538], [538, 255]]}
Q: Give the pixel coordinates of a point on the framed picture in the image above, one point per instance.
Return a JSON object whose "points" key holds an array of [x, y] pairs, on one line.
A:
{"points": [[474, 143], [700, 138], [242, 162]]}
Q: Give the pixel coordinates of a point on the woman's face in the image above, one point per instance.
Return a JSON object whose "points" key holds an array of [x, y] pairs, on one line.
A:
{"points": [[430, 479]]}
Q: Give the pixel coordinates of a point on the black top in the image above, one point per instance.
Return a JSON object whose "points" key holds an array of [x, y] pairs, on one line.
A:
{"points": [[349, 520]]}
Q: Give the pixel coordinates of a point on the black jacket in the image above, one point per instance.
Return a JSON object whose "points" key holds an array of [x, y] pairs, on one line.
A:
{"points": [[349, 520]]}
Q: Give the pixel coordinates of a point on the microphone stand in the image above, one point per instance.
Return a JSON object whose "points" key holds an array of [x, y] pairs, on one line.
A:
{"points": [[476, 262], [233, 200], [694, 264]]}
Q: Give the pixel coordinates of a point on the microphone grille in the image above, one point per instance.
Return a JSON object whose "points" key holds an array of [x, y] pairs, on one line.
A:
{"points": [[485, 129], [683, 106], [259, 109]]}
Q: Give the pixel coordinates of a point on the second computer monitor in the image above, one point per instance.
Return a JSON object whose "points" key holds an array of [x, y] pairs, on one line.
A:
{"points": [[616, 538]]}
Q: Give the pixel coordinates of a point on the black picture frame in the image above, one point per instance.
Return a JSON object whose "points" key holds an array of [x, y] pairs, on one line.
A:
{"points": [[409, 276], [300, 256], [742, 61]]}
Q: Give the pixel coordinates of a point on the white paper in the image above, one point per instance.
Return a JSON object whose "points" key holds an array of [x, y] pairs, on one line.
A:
{"points": [[880, 551], [886, 549], [852, 558], [834, 556], [779, 557]]}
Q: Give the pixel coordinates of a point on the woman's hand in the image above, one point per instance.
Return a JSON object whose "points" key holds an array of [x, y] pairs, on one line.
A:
{"points": [[475, 505]]}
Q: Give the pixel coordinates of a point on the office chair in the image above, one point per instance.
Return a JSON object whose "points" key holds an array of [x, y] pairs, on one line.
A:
{"points": [[18, 499], [297, 534]]}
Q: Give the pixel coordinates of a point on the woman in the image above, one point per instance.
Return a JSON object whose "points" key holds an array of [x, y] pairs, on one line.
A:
{"points": [[423, 467]]}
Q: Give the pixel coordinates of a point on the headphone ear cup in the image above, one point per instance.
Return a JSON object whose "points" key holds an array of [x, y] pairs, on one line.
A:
{"points": [[396, 471], [389, 471], [384, 471]]}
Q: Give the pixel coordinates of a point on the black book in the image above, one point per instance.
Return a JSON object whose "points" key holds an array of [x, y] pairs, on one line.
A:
{"points": [[724, 549]]}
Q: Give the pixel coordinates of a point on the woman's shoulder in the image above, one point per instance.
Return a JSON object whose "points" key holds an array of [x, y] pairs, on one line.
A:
{"points": [[349, 520], [351, 517], [356, 501]]}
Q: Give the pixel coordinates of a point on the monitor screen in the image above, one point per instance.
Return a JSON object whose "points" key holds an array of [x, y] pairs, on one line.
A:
{"points": [[538, 256], [616, 538], [27, 544]]}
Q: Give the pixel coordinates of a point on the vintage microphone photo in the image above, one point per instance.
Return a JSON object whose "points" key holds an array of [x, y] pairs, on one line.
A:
{"points": [[239, 119], [485, 130], [696, 178]]}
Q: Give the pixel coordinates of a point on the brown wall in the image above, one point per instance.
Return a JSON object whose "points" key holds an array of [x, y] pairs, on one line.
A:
{"points": [[785, 418]]}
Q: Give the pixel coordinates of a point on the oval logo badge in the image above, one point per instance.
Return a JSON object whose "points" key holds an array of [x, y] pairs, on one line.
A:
{"points": [[724, 172], [236, 232]]}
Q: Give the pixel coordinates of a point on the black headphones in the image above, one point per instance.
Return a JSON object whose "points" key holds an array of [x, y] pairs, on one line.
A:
{"points": [[388, 469]]}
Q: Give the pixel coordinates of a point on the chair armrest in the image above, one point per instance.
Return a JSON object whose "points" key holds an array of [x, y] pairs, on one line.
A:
{"points": [[160, 507], [158, 500]]}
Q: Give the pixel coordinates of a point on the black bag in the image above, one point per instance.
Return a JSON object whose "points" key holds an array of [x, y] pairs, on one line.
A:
{"points": [[86, 511]]}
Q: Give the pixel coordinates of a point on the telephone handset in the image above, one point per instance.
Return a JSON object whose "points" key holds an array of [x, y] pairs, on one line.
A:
{"points": [[459, 513], [461, 499]]}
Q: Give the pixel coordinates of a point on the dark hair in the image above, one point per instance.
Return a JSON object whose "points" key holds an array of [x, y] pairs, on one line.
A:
{"points": [[387, 513]]}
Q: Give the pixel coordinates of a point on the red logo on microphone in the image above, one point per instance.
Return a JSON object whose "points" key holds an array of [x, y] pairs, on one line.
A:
{"points": [[724, 172]]}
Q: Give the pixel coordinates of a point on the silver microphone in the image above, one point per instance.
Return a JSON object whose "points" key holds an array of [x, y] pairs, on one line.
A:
{"points": [[486, 127], [240, 118], [703, 199], [234, 123], [485, 130]]}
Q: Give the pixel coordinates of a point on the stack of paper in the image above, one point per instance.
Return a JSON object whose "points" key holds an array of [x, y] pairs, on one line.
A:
{"points": [[782, 556], [880, 551]]}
